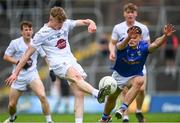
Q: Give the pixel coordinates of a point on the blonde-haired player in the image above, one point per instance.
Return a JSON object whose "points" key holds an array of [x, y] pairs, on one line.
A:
{"points": [[53, 38]]}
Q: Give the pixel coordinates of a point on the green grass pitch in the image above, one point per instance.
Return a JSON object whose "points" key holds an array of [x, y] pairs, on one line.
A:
{"points": [[59, 118]]}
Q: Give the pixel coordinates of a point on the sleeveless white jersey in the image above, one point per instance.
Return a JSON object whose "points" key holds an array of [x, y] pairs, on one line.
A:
{"points": [[17, 48], [120, 31], [55, 43]]}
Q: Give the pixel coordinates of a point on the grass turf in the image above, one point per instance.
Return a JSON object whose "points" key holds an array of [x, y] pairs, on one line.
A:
{"points": [[150, 117]]}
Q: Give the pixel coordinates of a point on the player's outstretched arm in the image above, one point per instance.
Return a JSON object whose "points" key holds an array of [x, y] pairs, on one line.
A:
{"points": [[20, 65], [87, 22], [122, 45], [168, 30]]}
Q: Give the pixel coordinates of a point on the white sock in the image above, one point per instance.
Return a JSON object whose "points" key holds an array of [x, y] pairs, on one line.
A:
{"points": [[138, 111], [12, 117], [125, 117], [95, 93], [48, 118], [78, 120]]}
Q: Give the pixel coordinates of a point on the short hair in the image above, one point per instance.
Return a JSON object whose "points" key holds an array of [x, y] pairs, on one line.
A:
{"points": [[139, 31], [25, 23], [130, 6], [58, 13]]}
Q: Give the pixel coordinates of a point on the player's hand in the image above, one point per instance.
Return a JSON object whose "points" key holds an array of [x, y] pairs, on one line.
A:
{"points": [[92, 27], [132, 31], [112, 57], [28, 64], [52, 75], [11, 79], [169, 29]]}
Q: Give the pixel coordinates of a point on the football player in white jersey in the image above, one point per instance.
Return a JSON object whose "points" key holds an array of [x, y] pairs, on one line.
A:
{"points": [[28, 76], [119, 34], [53, 38]]}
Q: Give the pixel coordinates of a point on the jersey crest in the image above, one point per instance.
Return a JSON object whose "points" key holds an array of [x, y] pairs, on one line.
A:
{"points": [[61, 44]]}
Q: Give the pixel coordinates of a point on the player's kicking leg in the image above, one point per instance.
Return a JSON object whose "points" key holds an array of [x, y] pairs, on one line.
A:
{"points": [[13, 99], [74, 76], [103, 92]]}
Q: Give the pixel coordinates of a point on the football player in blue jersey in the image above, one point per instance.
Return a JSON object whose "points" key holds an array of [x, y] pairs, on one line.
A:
{"points": [[119, 33], [131, 57]]}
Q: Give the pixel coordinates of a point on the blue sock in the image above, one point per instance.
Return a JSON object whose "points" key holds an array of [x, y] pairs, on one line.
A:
{"points": [[105, 116], [124, 106]]}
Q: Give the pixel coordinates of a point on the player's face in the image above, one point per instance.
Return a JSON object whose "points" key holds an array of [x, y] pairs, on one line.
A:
{"points": [[134, 40], [27, 32], [130, 16], [54, 23]]}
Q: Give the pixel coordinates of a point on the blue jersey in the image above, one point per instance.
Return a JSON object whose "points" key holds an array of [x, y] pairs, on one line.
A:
{"points": [[130, 61]]}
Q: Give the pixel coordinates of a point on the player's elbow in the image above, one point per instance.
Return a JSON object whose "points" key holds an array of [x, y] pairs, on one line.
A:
{"points": [[153, 47], [5, 57]]}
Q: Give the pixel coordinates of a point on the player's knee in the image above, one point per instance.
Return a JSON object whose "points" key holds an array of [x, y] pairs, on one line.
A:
{"points": [[76, 78], [124, 91], [139, 82], [142, 89]]}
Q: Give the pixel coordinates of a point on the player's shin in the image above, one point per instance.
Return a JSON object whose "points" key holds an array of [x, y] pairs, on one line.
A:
{"points": [[79, 106]]}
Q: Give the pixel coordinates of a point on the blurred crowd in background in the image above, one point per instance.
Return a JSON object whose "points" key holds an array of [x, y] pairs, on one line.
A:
{"points": [[92, 50]]}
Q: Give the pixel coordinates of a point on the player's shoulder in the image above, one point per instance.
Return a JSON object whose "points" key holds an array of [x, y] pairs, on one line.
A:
{"points": [[142, 42], [119, 25], [68, 22], [45, 30], [141, 25], [17, 40]]}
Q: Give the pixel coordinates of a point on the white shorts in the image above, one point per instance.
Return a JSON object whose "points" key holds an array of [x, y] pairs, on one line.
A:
{"points": [[24, 80], [121, 80], [65, 65], [144, 70]]}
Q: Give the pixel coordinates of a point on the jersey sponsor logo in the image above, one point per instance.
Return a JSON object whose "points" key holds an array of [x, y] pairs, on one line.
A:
{"points": [[61, 44], [55, 36], [45, 31], [131, 62]]}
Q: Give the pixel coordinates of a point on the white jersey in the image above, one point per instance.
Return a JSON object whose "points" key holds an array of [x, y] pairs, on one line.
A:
{"points": [[55, 43], [17, 48], [120, 31]]}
